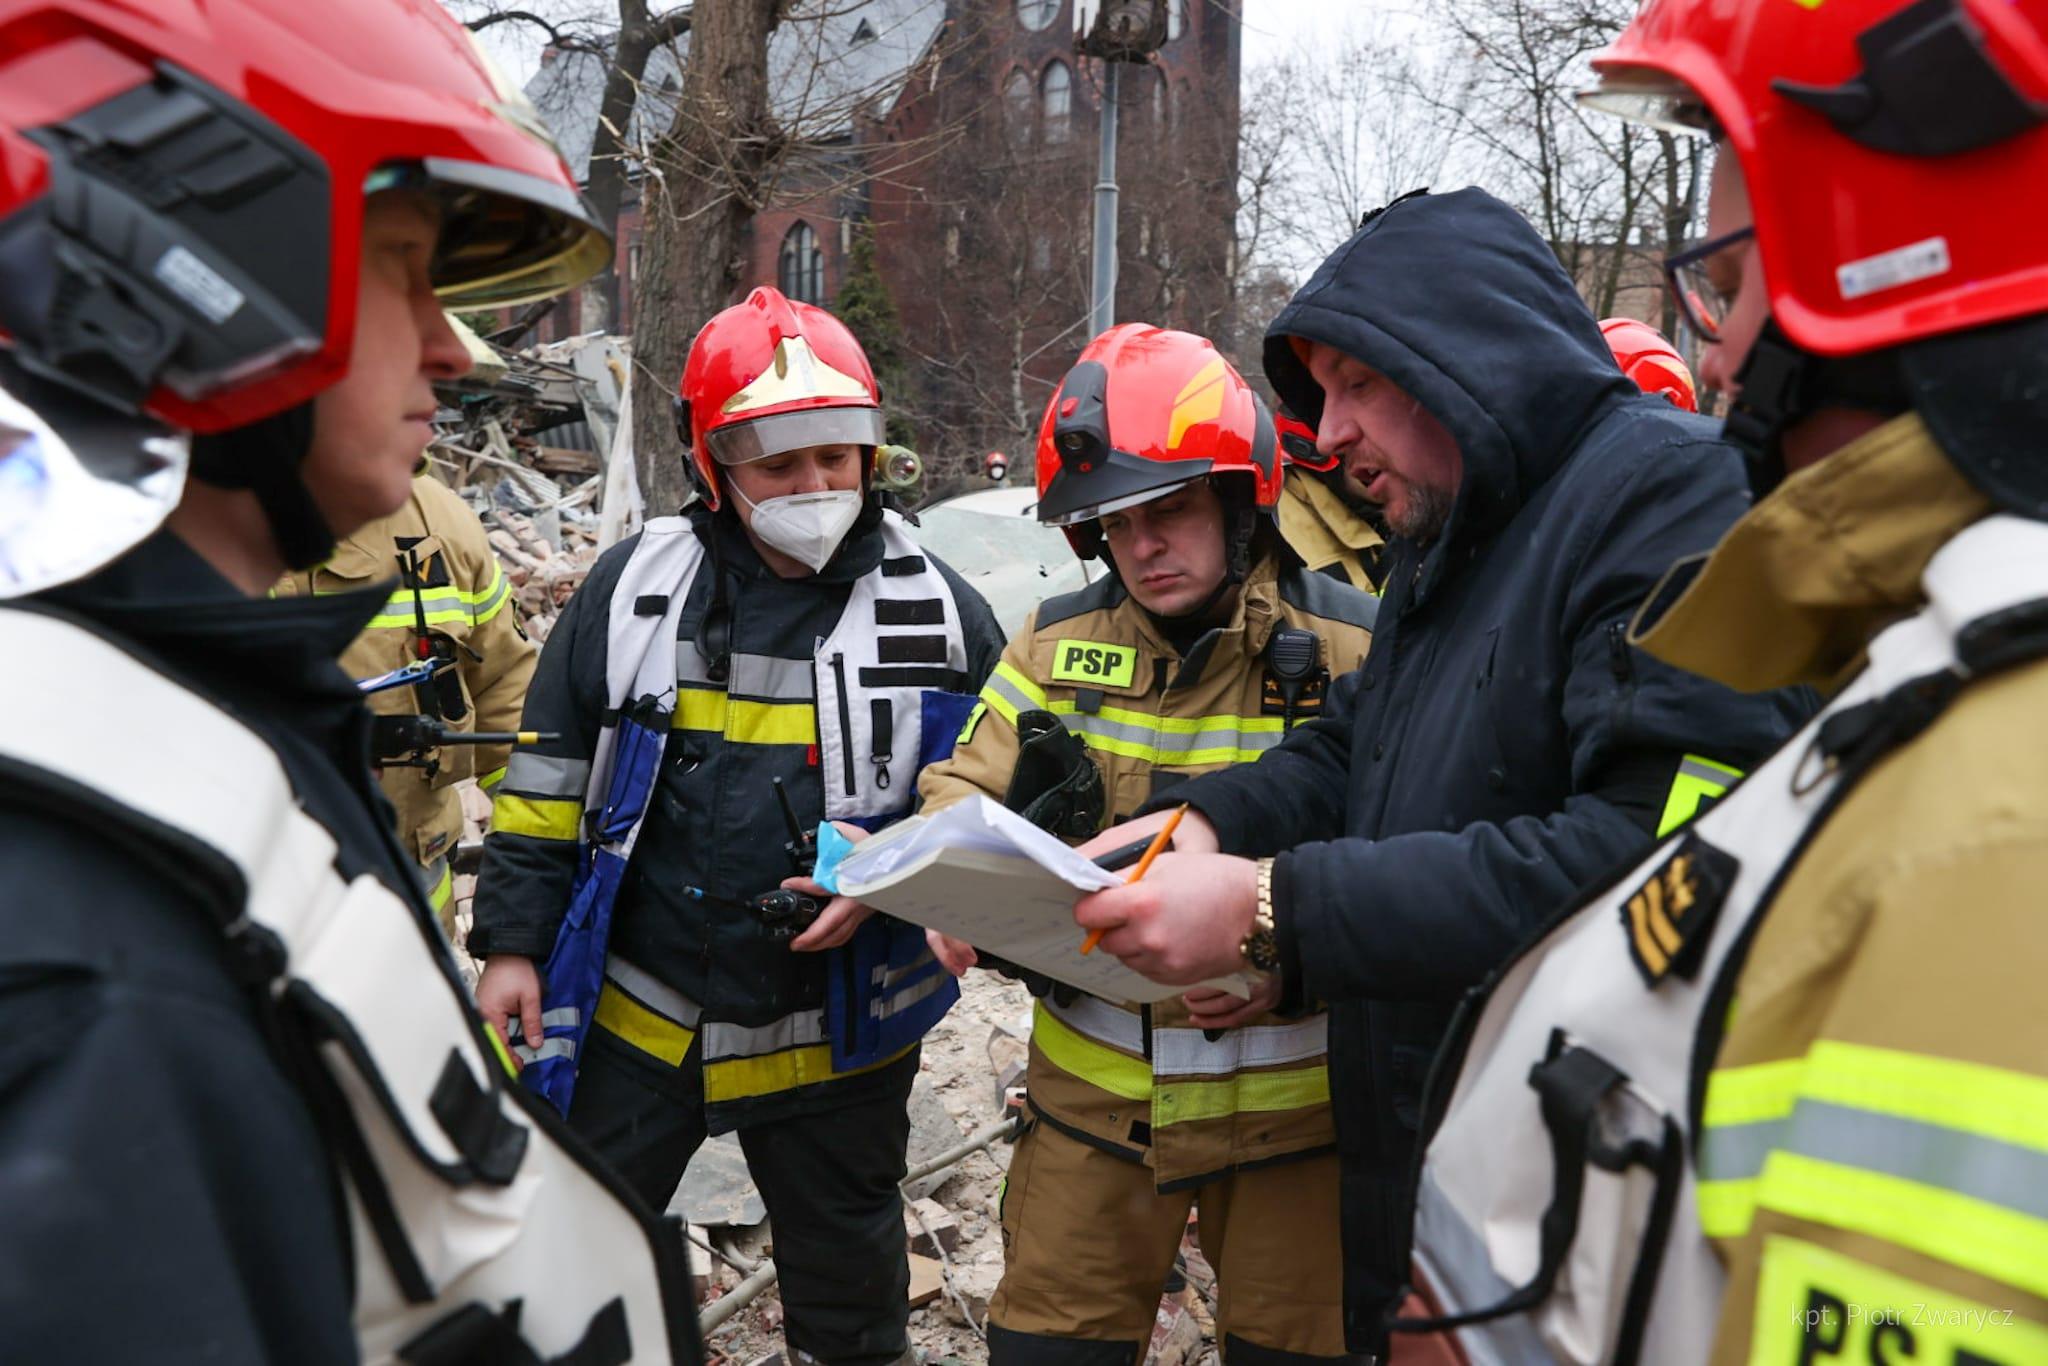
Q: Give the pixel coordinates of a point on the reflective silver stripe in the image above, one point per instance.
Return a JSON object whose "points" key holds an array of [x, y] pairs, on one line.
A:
{"points": [[771, 679], [906, 998], [1987, 1169], [1179, 1052], [659, 997], [1168, 742], [886, 978], [545, 775], [1011, 693], [1454, 1261], [1100, 1021], [1188, 1053], [691, 666], [723, 1040], [1690, 767], [561, 1017], [549, 1048]]}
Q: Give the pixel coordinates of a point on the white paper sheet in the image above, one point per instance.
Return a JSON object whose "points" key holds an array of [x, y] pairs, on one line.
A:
{"points": [[982, 873]]}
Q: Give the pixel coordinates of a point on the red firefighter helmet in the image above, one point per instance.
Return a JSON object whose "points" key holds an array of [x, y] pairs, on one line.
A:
{"points": [[1652, 362], [1896, 153], [182, 190], [771, 375], [1143, 411]]}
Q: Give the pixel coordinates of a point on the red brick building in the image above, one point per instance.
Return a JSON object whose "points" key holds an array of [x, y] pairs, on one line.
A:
{"points": [[963, 134]]}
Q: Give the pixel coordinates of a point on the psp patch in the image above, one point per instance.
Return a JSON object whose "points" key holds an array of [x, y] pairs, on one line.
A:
{"points": [[1094, 664], [1308, 702], [1670, 917]]}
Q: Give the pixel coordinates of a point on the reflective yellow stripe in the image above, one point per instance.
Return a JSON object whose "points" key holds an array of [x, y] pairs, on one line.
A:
{"points": [[1185, 1102], [739, 1078], [1745, 1095], [443, 888], [1991, 1102], [1814, 1303], [746, 722], [1075, 1053], [1725, 1207], [539, 817], [1180, 1102], [498, 1047], [443, 605], [1010, 690], [489, 600], [1698, 780], [653, 1034], [492, 779], [1977, 1236]]}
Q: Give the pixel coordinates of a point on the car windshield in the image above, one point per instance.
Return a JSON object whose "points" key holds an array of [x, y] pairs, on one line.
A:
{"points": [[1009, 557]]}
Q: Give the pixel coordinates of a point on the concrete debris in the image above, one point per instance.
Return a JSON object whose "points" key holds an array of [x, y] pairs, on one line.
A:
{"points": [[527, 443], [717, 1190]]}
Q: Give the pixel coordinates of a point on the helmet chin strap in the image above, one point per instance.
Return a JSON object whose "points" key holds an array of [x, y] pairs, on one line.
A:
{"points": [[265, 458], [1780, 383]]}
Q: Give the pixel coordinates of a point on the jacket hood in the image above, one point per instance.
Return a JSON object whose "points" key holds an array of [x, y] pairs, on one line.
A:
{"points": [[1457, 300]]}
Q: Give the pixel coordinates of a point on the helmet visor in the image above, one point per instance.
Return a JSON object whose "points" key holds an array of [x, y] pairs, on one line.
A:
{"points": [[1653, 100], [506, 237], [744, 442]]}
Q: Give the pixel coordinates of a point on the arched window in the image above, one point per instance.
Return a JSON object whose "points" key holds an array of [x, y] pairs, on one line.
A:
{"points": [[801, 271], [1018, 106], [1036, 14], [1056, 88], [1176, 18]]}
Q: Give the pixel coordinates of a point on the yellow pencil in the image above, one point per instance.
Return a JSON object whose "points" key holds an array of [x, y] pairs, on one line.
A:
{"points": [[1151, 852]]}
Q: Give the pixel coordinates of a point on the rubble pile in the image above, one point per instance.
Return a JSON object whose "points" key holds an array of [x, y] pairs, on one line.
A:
{"points": [[525, 438]]}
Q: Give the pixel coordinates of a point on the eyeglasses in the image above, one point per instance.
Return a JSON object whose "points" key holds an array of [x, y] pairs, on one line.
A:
{"points": [[1701, 302]]}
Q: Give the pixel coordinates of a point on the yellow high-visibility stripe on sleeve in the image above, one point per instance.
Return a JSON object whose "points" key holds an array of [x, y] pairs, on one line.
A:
{"points": [[538, 817], [651, 1033], [488, 601], [490, 781], [1698, 781]]}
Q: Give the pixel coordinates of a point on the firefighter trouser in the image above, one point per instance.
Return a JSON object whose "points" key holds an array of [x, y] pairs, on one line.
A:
{"points": [[829, 1181], [1088, 1244]]}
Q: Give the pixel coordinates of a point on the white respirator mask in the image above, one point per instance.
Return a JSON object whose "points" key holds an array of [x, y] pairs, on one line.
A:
{"points": [[807, 527]]}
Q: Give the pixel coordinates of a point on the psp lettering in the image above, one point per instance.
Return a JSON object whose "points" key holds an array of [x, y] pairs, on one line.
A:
{"points": [[1094, 663], [1090, 659]]}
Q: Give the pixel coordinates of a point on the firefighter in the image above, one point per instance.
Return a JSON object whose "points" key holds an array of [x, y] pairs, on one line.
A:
{"points": [[248, 1113], [1825, 992], [779, 653], [1652, 362], [1325, 515], [1203, 645], [451, 598]]}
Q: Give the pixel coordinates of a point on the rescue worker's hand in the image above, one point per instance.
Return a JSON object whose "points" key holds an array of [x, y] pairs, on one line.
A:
{"points": [[1213, 1009], [1183, 922], [510, 988], [954, 955], [1194, 835], [841, 916]]}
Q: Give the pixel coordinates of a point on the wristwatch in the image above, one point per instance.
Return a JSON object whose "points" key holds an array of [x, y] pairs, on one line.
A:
{"points": [[1261, 946]]}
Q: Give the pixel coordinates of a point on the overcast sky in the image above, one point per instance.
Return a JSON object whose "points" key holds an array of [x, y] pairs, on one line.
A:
{"points": [[1271, 28]]}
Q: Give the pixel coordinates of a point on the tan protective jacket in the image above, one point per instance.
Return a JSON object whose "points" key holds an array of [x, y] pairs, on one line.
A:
{"points": [[1884, 1076], [1199, 1107], [1324, 531], [467, 597]]}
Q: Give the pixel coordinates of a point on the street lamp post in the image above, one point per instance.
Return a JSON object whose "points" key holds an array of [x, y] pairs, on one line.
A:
{"points": [[1117, 31]]}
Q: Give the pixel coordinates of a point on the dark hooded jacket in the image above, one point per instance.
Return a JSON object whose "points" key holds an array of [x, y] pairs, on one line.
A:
{"points": [[1503, 744]]}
